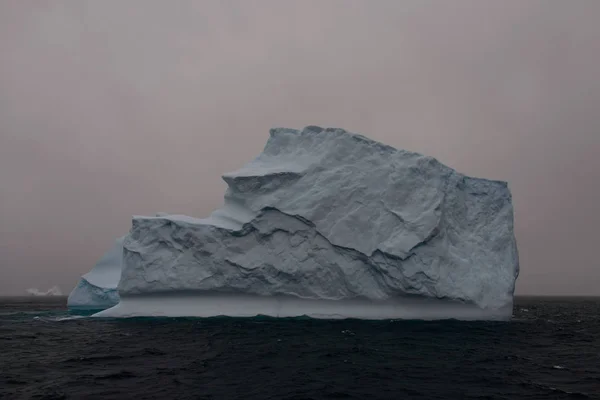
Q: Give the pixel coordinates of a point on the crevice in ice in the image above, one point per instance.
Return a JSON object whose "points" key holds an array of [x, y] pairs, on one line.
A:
{"points": [[409, 283]]}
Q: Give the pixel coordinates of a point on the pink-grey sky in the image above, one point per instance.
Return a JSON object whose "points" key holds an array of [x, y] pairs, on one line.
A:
{"points": [[113, 108]]}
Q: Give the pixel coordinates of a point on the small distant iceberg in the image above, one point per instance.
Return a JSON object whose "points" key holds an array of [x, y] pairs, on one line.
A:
{"points": [[53, 291]]}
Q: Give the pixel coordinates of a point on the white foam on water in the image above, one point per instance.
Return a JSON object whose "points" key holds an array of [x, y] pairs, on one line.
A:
{"points": [[59, 319]]}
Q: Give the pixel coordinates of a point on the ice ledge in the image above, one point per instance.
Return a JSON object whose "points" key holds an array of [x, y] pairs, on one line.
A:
{"points": [[240, 305]]}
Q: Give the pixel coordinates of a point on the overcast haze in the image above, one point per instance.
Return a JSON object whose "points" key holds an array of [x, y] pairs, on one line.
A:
{"points": [[115, 108]]}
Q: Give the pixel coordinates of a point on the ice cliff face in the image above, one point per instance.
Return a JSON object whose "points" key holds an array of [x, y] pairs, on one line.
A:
{"points": [[326, 217], [98, 288]]}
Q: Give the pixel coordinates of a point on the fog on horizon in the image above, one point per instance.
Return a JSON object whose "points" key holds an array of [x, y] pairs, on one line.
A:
{"points": [[110, 109]]}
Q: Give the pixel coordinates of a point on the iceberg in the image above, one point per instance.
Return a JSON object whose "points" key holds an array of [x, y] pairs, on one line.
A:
{"points": [[97, 290], [53, 291], [328, 224]]}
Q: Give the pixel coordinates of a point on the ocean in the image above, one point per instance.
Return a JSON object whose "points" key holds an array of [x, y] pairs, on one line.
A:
{"points": [[550, 350]]}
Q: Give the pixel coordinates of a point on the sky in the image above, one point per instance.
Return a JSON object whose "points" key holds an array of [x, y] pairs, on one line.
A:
{"points": [[114, 108]]}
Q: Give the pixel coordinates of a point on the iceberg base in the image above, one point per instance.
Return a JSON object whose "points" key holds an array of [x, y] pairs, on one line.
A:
{"points": [[238, 305], [87, 296]]}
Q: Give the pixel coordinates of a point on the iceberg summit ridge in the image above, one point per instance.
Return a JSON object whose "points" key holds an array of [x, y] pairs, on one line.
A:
{"points": [[330, 224]]}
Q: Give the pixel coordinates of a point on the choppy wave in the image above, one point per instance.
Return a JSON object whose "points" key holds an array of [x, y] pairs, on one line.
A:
{"points": [[55, 354]]}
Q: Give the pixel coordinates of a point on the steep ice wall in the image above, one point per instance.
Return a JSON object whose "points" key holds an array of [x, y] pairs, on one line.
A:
{"points": [[329, 216], [98, 288]]}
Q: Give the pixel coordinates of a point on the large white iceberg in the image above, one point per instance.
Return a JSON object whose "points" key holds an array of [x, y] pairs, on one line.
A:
{"points": [[330, 224]]}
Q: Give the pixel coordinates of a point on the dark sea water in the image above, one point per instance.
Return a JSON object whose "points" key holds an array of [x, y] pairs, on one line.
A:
{"points": [[551, 350]]}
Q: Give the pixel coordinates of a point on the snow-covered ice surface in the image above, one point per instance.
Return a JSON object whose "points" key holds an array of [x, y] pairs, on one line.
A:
{"points": [[328, 223], [98, 288]]}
